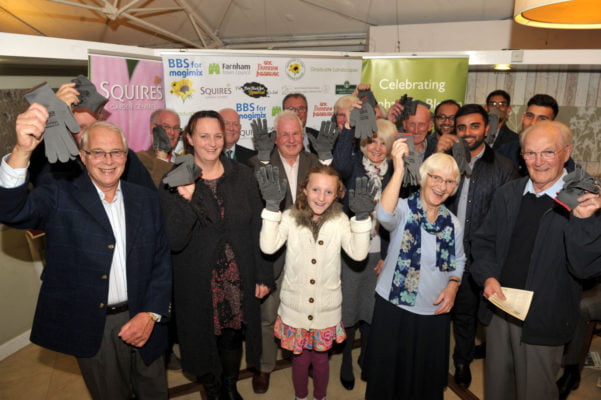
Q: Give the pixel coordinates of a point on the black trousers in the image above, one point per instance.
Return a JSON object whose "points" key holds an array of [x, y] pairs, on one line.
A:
{"points": [[465, 320]]}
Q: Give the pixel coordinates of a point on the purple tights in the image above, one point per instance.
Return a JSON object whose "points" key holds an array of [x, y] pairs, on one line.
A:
{"points": [[300, 373]]}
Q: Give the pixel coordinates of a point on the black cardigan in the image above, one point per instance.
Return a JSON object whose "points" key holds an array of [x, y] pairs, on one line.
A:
{"points": [[196, 233]]}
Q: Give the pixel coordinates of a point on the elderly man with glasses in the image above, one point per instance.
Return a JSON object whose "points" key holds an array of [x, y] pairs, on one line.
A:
{"points": [[166, 132], [528, 241], [106, 287]]}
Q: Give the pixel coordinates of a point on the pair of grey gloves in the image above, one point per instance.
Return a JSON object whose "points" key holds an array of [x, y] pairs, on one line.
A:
{"points": [[273, 191], [323, 143], [58, 135], [576, 183]]}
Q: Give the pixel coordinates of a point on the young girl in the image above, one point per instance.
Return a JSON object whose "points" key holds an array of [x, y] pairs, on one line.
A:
{"points": [[314, 230]]}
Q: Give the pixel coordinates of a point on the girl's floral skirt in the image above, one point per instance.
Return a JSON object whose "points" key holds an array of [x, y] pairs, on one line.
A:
{"points": [[298, 339]]}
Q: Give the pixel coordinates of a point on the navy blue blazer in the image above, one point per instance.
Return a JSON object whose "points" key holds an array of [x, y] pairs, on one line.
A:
{"points": [[71, 309]]}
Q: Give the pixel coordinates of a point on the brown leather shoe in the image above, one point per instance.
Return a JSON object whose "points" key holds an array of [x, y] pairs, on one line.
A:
{"points": [[261, 382]]}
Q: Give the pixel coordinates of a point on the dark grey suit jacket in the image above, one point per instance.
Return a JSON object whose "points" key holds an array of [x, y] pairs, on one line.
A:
{"points": [[243, 155]]}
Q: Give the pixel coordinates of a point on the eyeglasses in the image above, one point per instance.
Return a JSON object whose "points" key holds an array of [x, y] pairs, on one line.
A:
{"points": [[439, 180], [442, 117], [297, 109], [171, 128], [116, 155], [497, 104], [546, 155], [232, 124]]}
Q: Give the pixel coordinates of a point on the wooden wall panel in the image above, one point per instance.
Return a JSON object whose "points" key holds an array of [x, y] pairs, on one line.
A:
{"points": [[578, 93]]}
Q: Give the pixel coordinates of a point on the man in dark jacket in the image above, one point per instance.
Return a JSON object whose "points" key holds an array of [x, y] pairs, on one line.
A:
{"points": [[540, 107], [232, 134], [106, 288], [529, 242], [471, 203], [501, 100]]}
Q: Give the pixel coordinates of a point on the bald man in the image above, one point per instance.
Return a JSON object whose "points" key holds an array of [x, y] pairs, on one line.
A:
{"points": [[232, 134]]}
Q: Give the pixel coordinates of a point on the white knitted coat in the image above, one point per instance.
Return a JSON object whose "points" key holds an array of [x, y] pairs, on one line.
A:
{"points": [[311, 295]]}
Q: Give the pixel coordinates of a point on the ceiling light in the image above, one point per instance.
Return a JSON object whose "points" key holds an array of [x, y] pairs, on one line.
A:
{"points": [[502, 67], [558, 14]]}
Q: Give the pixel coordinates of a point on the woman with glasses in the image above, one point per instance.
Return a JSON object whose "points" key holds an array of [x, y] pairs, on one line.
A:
{"points": [[408, 350], [219, 274]]}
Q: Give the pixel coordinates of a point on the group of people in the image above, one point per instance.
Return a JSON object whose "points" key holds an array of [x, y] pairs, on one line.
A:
{"points": [[305, 240]]}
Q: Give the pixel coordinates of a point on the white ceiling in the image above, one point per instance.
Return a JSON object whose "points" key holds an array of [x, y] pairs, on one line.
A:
{"points": [[260, 24]]}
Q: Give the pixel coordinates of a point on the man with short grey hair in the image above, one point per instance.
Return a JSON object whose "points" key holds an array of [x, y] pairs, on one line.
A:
{"points": [[165, 132], [528, 241], [106, 287], [233, 128]]}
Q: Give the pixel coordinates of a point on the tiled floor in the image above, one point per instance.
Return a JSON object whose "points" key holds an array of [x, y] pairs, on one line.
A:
{"points": [[34, 373]]}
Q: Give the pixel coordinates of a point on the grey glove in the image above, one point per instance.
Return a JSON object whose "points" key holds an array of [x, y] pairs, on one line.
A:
{"points": [[58, 139], [185, 173], [324, 142], [410, 106], [576, 183], [463, 156], [364, 121], [160, 140], [361, 199], [272, 189], [367, 97], [412, 163], [89, 98], [262, 139], [494, 116]]}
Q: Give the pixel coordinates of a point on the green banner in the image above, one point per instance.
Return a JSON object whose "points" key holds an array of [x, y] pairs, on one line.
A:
{"points": [[431, 80]]}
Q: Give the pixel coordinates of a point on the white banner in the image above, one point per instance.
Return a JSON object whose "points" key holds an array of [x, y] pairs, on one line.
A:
{"points": [[254, 86]]}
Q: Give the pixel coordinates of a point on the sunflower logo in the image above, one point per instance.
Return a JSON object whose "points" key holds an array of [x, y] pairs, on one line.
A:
{"points": [[295, 69], [182, 88]]}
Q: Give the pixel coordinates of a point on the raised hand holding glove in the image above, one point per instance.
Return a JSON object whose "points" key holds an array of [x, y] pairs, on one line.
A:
{"points": [[272, 189], [412, 164], [89, 98], [461, 154], [262, 139], [367, 97], [410, 105], [160, 140], [59, 142], [364, 121], [324, 142], [494, 116], [361, 199], [185, 173], [576, 183]]}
